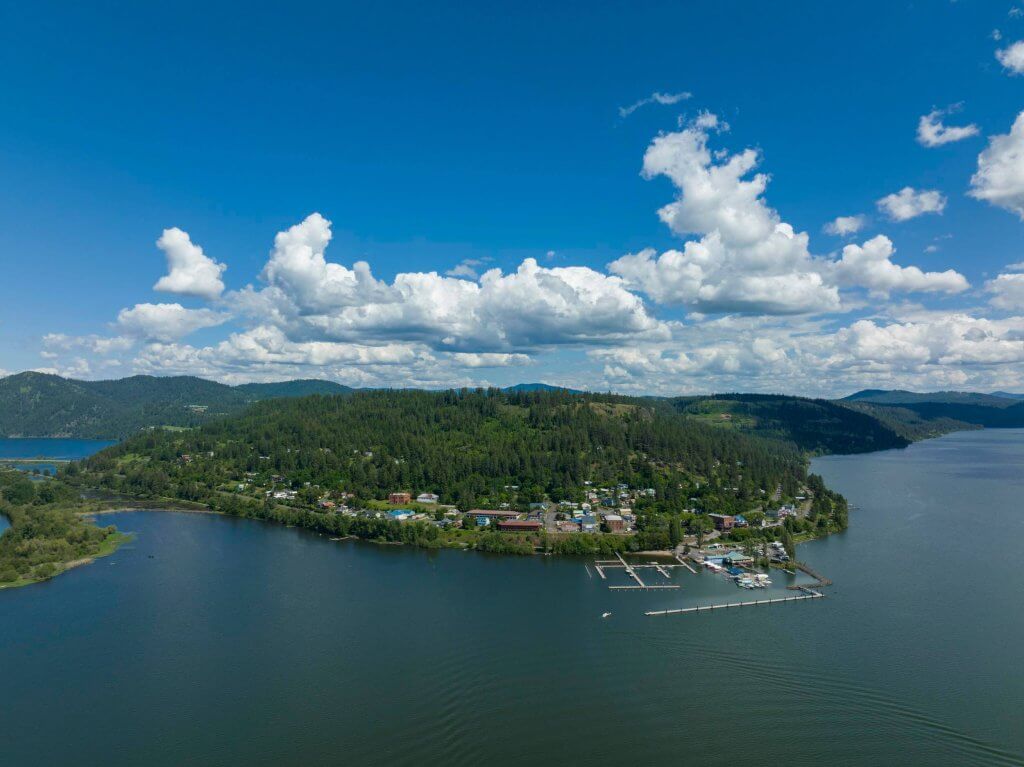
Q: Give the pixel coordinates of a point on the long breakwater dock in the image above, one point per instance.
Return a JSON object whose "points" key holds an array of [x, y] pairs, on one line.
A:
{"points": [[631, 571], [822, 581], [708, 608]]}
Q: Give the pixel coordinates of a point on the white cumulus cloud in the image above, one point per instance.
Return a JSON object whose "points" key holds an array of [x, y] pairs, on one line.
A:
{"points": [[298, 267], [870, 266], [1007, 291], [165, 322], [999, 179], [910, 203], [842, 226], [747, 260], [190, 272], [1012, 57], [932, 132]]}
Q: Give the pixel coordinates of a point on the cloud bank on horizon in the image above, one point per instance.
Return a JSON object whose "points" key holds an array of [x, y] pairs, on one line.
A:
{"points": [[742, 302]]}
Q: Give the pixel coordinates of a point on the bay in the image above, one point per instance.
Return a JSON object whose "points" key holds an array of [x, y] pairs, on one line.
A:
{"points": [[47, 450], [212, 640]]}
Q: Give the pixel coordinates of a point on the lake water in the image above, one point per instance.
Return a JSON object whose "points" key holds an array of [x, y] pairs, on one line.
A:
{"points": [[48, 448], [212, 641], [61, 449]]}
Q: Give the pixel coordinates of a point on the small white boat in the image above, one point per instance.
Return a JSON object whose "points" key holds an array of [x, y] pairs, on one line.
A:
{"points": [[605, 615]]}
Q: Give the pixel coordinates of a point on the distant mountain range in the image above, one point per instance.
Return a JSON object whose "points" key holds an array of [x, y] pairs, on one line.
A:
{"points": [[43, 405], [900, 397], [540, 387], [929, 413]]}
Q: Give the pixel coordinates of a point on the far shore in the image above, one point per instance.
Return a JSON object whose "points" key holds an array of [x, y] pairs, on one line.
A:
{"points": [[150, 508]]}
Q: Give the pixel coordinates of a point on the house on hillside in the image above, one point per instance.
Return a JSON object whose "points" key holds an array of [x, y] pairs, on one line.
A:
{"points": [[722, 521], [427, 498], [399, 498], [615, 523]]}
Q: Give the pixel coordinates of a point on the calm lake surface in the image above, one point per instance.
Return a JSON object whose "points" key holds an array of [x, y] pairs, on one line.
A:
{"points": [[48, 448], [61, 449], [212, 641]]}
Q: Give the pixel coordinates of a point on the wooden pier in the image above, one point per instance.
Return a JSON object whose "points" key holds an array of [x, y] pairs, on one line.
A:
{"points": [[630, 571], [708, 608], [685, 564]]}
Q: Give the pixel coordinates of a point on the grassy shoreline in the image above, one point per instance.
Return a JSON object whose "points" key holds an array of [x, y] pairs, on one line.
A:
{"points": [[112, 543]]}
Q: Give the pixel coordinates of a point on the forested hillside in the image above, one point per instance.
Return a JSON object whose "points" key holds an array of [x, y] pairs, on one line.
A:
{"points": [[42, 405], [471, 447], [908, 423], [299, 388], [928, 414], [901, 397], [816, 426]]}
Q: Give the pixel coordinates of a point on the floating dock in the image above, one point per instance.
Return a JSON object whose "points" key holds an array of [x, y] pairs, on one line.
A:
{"points": [[645, 587], [631, 570], [707, 608]]}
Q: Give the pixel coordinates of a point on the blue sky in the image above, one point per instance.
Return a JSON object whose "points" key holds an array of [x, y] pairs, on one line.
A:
{"points": [[434, 136]]}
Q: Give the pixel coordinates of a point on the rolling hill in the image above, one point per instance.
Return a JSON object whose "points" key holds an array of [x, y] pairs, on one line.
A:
{"points": [[43, 405], [813, 425], [931, 413], [900, 397]]}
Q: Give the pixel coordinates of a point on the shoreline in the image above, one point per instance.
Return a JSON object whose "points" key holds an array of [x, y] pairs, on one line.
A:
{"points": [[171, 505], [108, 547], [125, 510]]}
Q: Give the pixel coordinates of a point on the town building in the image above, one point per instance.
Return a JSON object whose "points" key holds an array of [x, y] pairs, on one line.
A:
{"points": [[494, 513], [519, 525], [614, 523], [399, 498], [722, 521], [737, 558], [427, 498]]}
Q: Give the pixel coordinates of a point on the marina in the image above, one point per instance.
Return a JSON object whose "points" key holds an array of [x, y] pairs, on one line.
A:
{"points": [[744, 576], [631, 570]]}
